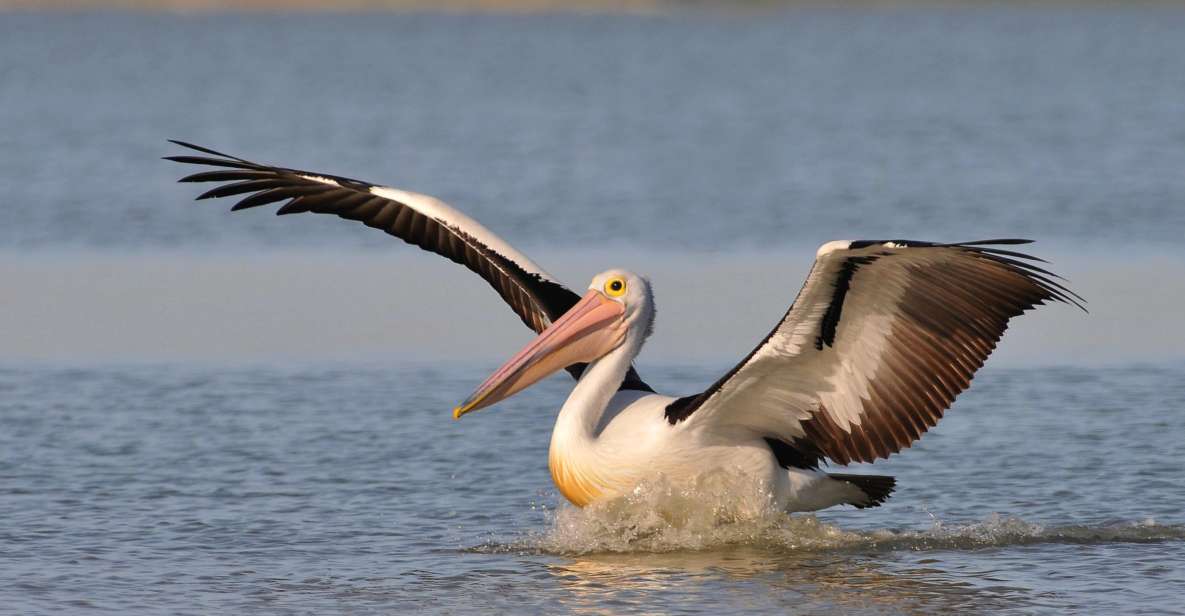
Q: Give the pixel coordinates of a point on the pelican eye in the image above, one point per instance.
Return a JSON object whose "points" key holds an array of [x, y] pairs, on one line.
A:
{"points": [[615, 287]]}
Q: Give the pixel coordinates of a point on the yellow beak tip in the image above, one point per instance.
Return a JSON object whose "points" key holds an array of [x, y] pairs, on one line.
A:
{"points": [[457, 412]]}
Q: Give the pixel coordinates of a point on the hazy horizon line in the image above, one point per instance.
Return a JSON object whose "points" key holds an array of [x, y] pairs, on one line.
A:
{"points": [[406, 304], [528, 6]]}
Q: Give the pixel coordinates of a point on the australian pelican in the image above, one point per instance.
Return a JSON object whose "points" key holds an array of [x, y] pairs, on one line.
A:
{"points": [[880, 340]]}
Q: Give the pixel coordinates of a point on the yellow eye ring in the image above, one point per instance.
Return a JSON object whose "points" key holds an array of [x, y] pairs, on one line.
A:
{"points": [[615, 287]]}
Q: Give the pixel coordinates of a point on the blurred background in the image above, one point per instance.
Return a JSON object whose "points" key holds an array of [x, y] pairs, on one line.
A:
{"points": [[225, 413], [710, 149]]}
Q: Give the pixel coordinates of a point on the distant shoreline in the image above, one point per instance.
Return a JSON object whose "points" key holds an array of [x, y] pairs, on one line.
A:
{"points": [[644, 6]]}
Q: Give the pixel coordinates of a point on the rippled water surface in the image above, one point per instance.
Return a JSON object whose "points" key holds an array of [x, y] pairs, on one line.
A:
{"points": [[685, 130], [349, 488], [309, 486]]}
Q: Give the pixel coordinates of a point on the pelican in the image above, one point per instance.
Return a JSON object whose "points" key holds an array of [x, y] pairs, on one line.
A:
{"points": [[878, 343]]}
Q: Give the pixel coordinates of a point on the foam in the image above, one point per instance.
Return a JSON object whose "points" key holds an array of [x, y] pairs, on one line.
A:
{"points": [[657, 518]]}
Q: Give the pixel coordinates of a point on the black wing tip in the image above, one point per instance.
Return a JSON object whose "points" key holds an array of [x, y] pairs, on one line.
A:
{"points": [[903, 243], [1073, 299], [1013, 241], [986, 246], [1042, 277], [203, 149], [1019, 261], [197, 148], [221, 159]]}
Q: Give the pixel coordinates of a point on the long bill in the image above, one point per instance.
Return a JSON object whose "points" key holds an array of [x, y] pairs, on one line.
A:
{"points": [[589, 330]]}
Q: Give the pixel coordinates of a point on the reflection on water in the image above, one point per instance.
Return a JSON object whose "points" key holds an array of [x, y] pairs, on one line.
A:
{"points": [[823, 568], [623, 553], [807, 581]]}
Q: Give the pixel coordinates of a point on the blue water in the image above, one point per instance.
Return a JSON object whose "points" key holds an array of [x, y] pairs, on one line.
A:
{"points": [[348, 488], [701, 131], [308, 485]]}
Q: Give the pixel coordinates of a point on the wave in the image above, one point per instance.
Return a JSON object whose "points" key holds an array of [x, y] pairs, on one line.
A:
{"points": [[659, 519]]}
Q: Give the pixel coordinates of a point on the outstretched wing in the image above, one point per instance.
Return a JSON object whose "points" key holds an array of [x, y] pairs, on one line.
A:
{"points": [[880, 340], [417, 219]]}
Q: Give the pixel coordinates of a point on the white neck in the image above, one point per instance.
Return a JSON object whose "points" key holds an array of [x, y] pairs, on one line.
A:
{"points": [[580, 418], [574, 458]]}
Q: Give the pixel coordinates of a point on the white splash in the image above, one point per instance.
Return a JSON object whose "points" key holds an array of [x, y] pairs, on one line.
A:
{"points": [[659, 518]]}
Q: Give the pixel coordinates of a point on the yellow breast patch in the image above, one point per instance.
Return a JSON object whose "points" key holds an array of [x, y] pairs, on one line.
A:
{"points": [[576, 486]]}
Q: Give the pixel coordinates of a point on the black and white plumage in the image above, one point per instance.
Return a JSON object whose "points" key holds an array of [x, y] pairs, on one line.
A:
{"points": [[879, 342], [417, 219]]}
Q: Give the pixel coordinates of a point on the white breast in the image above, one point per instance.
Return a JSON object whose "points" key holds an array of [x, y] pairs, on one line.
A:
{"points": [[635, 443]]}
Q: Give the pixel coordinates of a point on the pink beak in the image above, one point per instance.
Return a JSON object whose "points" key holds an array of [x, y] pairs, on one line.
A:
{"points": [[588, 331]]}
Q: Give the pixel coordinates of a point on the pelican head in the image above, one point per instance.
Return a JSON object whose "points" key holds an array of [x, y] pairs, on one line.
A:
{"points": [[617, 308]]}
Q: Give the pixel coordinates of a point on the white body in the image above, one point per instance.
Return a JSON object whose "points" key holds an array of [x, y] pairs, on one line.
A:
{"points": [[605, 443]]}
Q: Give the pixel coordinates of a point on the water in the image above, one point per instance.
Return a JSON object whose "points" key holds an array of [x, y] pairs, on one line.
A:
{"points": [[348, 488], [799, 125], [710, 150]]}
